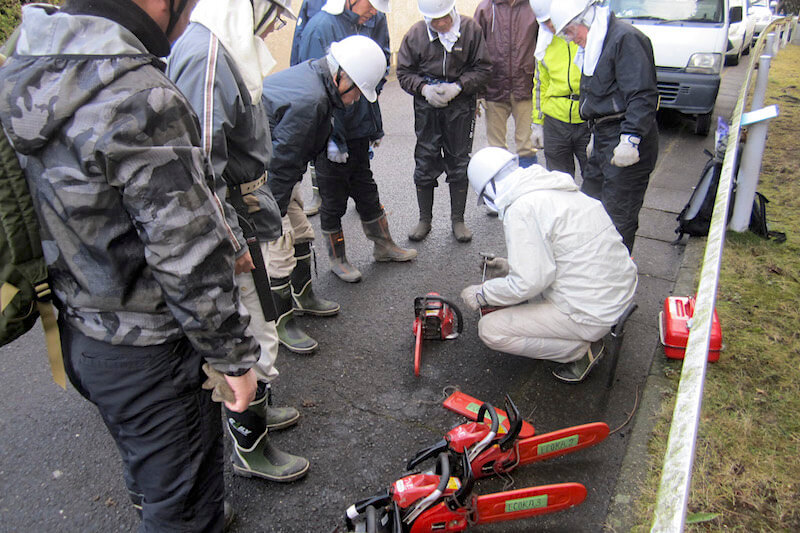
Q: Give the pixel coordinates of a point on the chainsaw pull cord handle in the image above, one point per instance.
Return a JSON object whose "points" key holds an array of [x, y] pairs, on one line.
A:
{"points": [[444, 478], [478, 448], [515, 425]]}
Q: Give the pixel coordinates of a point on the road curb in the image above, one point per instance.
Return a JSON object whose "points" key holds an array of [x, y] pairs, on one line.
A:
{"points": [[634, 472]]}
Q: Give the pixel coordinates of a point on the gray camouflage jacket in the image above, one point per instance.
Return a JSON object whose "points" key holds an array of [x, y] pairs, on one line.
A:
{"points": [[240, 139], [137, 248]]}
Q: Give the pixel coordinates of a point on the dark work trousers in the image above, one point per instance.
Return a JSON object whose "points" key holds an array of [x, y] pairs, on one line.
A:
{"points": [[165, 425], [339, 181], [563, 142], [621, 190], [444, 140]]}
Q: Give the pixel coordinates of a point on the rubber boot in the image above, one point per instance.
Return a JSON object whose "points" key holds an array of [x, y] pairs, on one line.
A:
{"points": [[277, 417], [289, 332], [385, 248], [253, 454], [228, 513], [312, 207], [303, 298], [334, 240], [458, 200], [425, 202]]}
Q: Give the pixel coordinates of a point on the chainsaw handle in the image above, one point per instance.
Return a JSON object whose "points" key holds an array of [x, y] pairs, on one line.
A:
{"points": [[421, 301], [427, 453], [486, 406], [459, 316], [460, 497], [443, 467], [515, 424]]}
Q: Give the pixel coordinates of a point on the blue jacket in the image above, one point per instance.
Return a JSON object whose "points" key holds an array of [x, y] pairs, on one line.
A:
{"points": [[306, 12], [362, 119]]}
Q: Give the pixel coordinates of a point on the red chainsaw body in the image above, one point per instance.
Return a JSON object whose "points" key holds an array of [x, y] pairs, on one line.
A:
{"points": [[410, 489]]}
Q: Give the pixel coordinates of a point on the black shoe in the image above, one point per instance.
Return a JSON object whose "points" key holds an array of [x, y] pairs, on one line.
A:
{"points": [[577, 371]]}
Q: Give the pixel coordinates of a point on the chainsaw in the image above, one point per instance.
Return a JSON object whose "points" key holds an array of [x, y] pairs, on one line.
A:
{"points": [[501, 446], [434, 318], [435, 501]]}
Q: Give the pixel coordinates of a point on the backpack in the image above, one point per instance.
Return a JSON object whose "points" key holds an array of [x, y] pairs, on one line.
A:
{"points": [[24, 290]]}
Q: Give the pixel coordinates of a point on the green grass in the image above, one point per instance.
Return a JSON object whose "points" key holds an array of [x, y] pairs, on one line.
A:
{"points": [[747, 464], [9, 17]]}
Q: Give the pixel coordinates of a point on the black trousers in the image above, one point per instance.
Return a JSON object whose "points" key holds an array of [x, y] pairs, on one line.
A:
{"points": [[444, 140], [165, 425], [340, 181], [621, 190], [563, 142]]}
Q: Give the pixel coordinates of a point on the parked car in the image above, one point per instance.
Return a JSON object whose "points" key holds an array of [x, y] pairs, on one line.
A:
{"points": [[740, 34], [760, 11]]}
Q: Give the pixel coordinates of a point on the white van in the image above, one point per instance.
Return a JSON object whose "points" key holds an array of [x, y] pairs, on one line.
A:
{"points": [[690, 40], [740, 34]]}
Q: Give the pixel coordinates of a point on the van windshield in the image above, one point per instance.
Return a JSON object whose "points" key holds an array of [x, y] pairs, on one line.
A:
{"points": [[670, 10]]}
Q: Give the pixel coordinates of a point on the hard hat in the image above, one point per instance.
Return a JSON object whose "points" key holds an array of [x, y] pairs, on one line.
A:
{"points": [[563, 12], [363, 61], [484, 166], [381, 5], [541, 8], [435, 8]]}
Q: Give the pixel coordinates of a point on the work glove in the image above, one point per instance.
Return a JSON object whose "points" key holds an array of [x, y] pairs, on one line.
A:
{"points": [[590, 146], [220, 390], [336, 155], [537, 136], [473, 296], [433, 95], [627, 151], [497, 267], [449, 91]]}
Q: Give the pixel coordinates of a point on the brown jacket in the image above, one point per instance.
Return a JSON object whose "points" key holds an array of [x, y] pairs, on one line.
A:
{"points": [[421, 61], [510, 30]]}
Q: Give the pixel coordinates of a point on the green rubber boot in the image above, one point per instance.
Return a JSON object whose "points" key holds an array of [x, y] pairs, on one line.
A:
{"points": [[290, 334], [277, 417], [303, 297]]}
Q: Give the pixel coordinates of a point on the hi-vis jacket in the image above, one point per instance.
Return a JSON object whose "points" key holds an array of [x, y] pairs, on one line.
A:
{"points": [[563, 247], [556, 84]]}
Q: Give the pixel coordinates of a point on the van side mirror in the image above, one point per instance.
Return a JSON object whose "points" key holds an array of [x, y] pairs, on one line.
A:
{"points": [[735, 14]]}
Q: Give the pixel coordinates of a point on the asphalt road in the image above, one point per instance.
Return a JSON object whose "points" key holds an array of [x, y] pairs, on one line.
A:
{"points": [[363, 411]]}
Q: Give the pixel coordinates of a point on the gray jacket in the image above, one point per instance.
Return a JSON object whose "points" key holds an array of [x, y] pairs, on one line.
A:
{"points": [[240, 139], [136, 245]]}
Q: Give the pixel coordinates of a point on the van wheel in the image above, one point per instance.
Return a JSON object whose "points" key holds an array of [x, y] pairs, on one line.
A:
{"points": [[733, 60], [702, 124]]}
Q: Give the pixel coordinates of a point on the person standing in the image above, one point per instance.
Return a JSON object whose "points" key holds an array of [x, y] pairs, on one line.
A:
{"points": [[510, 29], [444, 63], [619, 99], [219, 64], [343, 171], [139, 253], [557, 123]]}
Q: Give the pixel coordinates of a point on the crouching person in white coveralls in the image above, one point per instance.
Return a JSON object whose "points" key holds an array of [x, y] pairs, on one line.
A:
{"points": [[568, 277]]}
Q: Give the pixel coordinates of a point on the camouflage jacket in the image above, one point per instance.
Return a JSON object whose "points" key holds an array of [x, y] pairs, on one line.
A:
{"points": [[137, 248]]}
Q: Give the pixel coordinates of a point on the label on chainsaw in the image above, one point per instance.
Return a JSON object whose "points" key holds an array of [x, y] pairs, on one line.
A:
{"points": [[454, 483], [523, 504], [556, 445], [474, 408]]}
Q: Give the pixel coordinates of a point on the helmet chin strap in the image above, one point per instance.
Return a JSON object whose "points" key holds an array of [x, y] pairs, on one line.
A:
{"points": [[175, 14]]}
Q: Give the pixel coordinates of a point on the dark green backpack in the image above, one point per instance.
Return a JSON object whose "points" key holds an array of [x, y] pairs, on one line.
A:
{"points": [[24, 289]]}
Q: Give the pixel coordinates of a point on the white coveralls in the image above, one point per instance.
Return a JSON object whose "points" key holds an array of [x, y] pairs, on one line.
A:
{"points": [[570, 277]]}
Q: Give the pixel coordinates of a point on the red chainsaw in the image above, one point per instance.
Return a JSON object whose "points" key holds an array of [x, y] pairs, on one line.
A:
{"points": [[513, 443], [434, 318]]}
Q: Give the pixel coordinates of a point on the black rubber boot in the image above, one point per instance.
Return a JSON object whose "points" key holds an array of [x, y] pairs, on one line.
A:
{"points": [[312, 207], [303, 297], [458, 201], [385, 248], [253, 454], [339, 263], [425, 202], [290, 334]]}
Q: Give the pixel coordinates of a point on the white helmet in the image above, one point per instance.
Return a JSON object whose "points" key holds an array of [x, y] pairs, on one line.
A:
{"points": [[363, 61], [435, 8], [541, 8], [381, 5], [563, 12], [486, 165]]}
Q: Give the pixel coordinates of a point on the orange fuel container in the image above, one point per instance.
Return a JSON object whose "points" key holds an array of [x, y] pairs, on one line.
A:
{"points": [[674, 323]]}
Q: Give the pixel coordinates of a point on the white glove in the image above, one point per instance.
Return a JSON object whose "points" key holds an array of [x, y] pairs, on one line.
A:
{"points": [[449, 90], [537, 135], [627, 151], [497, 267], [473, 297], [336, 155], [433, 95], [590, 146]]}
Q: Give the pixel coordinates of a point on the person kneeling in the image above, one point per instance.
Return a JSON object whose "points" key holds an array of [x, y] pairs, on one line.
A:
{"points": [[568, 277]]}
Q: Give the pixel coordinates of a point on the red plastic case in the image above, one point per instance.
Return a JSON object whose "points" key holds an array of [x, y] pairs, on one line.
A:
{"points": [[674, 323]]}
